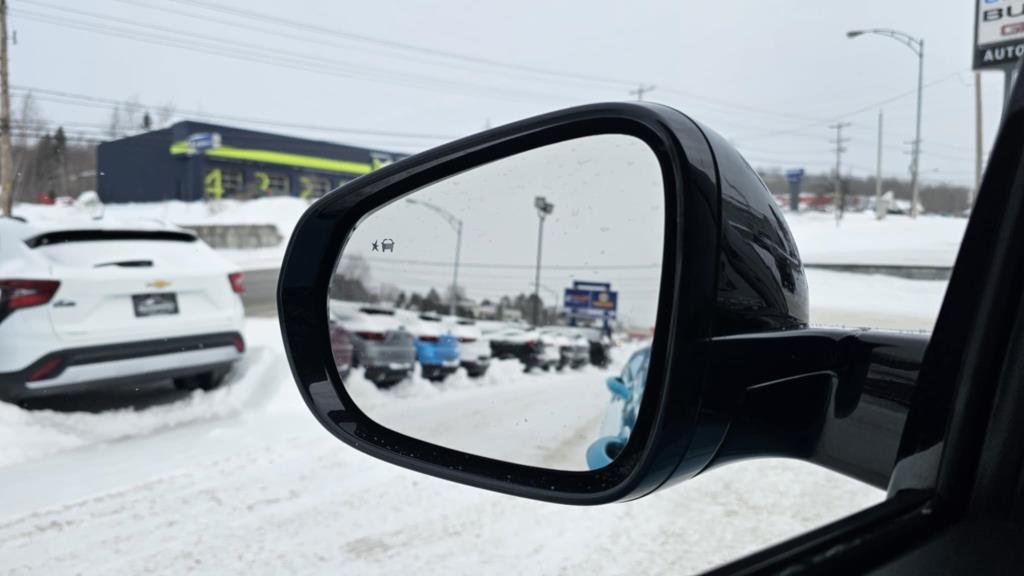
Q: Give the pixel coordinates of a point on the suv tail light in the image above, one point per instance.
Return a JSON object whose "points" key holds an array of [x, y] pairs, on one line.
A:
{"points": [[375, 336], [17, 294], [46, 369], [235, 278], [238, 343], [467, 340]]}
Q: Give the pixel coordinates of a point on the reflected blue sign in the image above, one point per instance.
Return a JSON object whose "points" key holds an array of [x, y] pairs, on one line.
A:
{"points": [[591, 299]]}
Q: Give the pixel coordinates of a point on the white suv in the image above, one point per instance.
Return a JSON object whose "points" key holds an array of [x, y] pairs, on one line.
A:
{"points": [[96, 303]]}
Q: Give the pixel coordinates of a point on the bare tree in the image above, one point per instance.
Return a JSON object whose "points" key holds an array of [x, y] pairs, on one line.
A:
{"points": [[164, 115], [29, 123]]}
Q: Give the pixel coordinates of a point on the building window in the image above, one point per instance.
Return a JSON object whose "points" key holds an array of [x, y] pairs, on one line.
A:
{"points": [[222, 182], [272, 183], [313, 186]]}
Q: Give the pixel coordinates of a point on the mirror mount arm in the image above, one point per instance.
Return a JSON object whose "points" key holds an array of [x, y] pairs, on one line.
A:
{"points": [[837, 398]]}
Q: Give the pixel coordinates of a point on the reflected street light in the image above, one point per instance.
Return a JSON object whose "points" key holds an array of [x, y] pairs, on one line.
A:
{"points": [[456, 225], [917, 46], [544, 208]]}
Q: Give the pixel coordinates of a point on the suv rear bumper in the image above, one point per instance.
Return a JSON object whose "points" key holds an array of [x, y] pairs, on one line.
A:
{"points": [[111, 364]]}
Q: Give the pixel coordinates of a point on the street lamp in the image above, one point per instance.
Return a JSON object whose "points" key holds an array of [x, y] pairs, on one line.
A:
{"points": [[456, 225], [917, 46], [544, 208]]}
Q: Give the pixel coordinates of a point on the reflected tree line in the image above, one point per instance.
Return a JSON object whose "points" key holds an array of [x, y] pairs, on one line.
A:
{"points": [[352, 281]]}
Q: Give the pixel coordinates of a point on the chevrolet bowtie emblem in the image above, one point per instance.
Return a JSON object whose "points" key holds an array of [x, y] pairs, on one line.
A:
{"points": [[158, 284]]}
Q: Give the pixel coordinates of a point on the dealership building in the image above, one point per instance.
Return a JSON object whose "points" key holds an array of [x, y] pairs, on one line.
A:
{"points": [[195, 160]]}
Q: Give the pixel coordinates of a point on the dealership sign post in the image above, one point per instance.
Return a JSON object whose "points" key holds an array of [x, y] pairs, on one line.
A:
{"points": [[999, 37]]}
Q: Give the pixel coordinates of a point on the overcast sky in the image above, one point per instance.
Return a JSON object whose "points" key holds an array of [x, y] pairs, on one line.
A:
{"points": [[770, 76], [607, 226]]}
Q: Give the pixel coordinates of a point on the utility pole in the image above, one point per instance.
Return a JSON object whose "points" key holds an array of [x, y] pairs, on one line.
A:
{"points": [[641, 89], [6, 155], [544, 209], [977, 141], [879, 213], [839, 141]]}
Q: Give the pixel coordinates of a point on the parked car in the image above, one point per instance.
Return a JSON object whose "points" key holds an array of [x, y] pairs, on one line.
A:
{"points": [[341, 346], [437, 349], [527, 346], [600, 345], [573, 348], [626, 389], [474, 350], [381, 345], [101, 303]]}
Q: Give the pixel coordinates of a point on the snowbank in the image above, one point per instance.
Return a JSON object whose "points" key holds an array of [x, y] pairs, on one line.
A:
{"points": [[861, 239], [252, 383]]}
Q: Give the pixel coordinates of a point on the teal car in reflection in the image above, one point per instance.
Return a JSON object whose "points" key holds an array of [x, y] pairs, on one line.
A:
{"points": [[627, 389]]}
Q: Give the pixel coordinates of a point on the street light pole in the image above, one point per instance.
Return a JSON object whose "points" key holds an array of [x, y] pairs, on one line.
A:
{"points": [[915, 184], [456, 225], [544, 208], [917, 46]]}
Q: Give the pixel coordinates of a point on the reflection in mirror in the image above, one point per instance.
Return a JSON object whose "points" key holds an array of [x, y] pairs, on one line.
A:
{"points": [[507, 311]]}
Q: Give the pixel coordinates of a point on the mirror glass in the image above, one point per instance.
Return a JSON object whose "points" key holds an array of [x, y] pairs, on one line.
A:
{"points": [[507, 311]]}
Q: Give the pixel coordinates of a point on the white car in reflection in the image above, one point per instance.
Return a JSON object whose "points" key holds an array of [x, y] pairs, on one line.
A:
{"points": [[96, 303], [474, 350], [627, 391]]}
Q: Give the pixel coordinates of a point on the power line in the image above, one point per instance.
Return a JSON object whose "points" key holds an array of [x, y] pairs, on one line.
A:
{"points": [[283, 59], [109, 103], [492, 265], [418, 49]]}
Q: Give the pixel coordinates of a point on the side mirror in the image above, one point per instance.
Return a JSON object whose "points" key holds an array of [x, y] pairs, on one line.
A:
{"points": [[641, 219], [618, 388]]}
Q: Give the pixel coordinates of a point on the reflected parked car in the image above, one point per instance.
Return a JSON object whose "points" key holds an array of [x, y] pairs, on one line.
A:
{"points": [[437, 349], [474, 351], [627, 389], [381, 346], [341, 347], [527, 346], [573, 347]]}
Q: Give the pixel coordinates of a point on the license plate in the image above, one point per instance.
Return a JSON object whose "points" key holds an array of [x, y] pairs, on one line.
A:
{"points": [[450, 363], [155, 304]]}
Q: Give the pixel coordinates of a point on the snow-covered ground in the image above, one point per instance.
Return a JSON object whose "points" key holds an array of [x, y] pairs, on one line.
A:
{"points": [[861, 239], [243, 480]]}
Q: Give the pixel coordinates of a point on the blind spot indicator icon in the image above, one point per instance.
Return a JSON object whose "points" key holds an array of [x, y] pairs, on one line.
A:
{"points": [[387, 245]]}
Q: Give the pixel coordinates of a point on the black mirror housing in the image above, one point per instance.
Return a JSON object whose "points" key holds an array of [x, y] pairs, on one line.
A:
{"points": [[729, 266]]}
